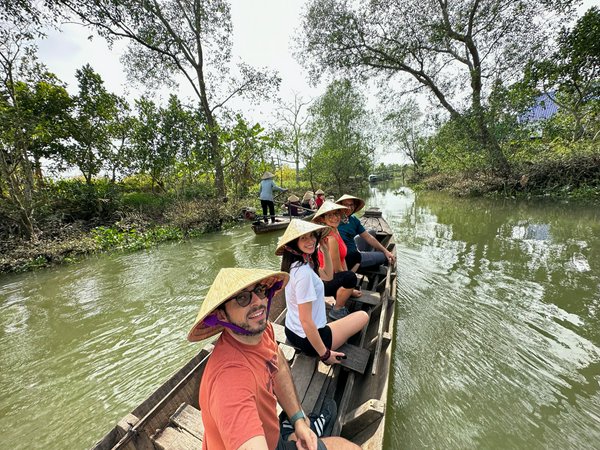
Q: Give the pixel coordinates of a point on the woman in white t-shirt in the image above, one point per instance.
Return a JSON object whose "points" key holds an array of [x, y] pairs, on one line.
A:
{"points": [[306, 321]]}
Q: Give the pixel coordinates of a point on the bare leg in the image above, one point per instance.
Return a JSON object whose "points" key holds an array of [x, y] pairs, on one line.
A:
{"points": [[342, 329], [339, 443], [341, 297]]}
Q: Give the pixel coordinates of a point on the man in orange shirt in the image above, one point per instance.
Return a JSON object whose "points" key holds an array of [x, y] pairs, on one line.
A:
{"points": [[247, 374]]}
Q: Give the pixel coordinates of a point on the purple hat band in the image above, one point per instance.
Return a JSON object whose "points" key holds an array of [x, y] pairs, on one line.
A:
{"points": [[212, 320]]}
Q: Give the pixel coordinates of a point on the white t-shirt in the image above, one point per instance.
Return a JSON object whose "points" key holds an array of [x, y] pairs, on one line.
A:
{"points": [[304, 286]]}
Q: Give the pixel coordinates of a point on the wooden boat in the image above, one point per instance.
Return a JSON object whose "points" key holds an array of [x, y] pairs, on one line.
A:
{"points": [[170, 417], [260, 227], [281, 223]]}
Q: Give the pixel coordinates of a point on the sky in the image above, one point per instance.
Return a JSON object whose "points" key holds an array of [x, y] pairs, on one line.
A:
{"points": [[263, 31]]}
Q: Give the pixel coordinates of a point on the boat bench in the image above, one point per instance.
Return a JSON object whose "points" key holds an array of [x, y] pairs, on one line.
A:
{"points": [[184, 432], [312, 378]]}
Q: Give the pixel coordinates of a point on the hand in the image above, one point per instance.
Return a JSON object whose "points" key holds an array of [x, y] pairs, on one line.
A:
{"points": [[335, 358], [324, 245], [307, 439], [390, 257]]}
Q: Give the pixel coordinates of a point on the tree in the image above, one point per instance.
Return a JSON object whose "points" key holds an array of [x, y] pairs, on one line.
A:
{"points": [[153, 155], [246, 146], [34, 107], [451, 49], [120, 131], [571, 74], [95, 110], [338, 135], [176, 37], [290, 114], [405, 131]]}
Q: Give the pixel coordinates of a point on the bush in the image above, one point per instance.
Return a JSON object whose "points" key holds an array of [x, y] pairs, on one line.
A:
{"points": [[144, 202]]}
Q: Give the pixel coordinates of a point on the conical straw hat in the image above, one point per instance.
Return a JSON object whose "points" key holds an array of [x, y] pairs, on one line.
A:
{"points": [[267, 175], [297, 228], [326, 207], [228, 283], [319, 192], [359, 203], [307, 196], [293, 198]]}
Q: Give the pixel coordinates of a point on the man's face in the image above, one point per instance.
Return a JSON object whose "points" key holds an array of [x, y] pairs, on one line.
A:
{"points": [[251, 317], [349, 204]]}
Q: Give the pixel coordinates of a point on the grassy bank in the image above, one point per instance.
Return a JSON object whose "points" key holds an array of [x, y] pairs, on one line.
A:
{"points": [[154, 220]]}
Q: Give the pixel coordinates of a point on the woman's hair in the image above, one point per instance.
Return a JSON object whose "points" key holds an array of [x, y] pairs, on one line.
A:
{"points": [[290, 258]]}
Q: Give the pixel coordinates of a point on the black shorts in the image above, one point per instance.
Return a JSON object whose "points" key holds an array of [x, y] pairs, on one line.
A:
{"points": [[346, 279], [304, 344], [353, 258]]}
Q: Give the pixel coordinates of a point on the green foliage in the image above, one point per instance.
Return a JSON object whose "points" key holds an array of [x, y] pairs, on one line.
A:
{"points": [[108, 238], [571, 75], [70, 200], [338, 137], [95, 110], [144, 202]]}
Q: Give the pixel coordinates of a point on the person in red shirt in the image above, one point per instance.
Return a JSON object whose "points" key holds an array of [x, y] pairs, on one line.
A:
{"points": [[320, 198], [246, 374], [344, 281]]}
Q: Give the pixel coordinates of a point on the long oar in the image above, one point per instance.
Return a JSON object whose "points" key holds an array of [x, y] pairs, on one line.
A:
{"points": [[299, 207]]}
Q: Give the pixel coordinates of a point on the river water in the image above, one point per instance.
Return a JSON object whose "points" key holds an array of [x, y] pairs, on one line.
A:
{"points": [[497, 327]]}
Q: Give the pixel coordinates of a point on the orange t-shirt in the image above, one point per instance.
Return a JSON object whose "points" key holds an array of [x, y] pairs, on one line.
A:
{"points": [[237, 395]]}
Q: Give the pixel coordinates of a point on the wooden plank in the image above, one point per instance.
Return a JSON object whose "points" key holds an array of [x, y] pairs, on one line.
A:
{"points": [[356, 358], [288, 352], [387, 338], [368, 298], [303, 368], [190, 419], [384, 302], [362, 417], [318, 385], [175, 439], [279, 331]]}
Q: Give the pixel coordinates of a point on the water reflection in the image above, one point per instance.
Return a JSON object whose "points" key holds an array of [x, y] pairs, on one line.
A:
{"points": [[499, 337], [498, 328]]}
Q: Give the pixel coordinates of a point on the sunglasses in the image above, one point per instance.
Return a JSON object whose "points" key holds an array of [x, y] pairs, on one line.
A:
{"points": [[244, 298]]}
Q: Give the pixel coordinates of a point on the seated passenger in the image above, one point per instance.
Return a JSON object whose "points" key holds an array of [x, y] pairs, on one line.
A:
{"points": [[308, 203], [358, 240], [320, 198], [306, 323], [292, 205], [343, 284], [246, 373]]}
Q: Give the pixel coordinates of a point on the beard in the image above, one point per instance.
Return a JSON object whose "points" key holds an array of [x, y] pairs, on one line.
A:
{"points": [[254, 331]]}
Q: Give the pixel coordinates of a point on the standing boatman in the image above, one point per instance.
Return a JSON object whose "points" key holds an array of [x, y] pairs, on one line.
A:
{"points": [[265, 193]]}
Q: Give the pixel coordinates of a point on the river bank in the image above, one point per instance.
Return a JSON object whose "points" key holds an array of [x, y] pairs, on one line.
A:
{"points": [[69, 243]]}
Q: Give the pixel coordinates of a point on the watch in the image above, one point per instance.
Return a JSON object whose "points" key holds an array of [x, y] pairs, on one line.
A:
{"points": [[296, 417]]}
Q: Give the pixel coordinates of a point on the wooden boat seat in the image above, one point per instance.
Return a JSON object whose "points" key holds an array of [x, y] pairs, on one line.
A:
{"points": [[357, 357], [185, 430]]}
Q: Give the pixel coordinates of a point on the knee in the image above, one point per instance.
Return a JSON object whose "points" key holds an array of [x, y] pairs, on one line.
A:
{"points": [[362, 317], [349, 281]]}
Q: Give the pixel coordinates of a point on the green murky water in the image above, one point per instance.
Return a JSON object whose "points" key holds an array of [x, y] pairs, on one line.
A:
{"points": [[498, 328]]}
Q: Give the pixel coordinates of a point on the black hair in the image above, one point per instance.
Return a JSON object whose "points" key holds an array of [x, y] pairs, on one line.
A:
{"points": [[290, 258]]}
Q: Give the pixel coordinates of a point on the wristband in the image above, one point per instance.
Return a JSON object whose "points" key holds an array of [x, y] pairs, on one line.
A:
{"points": [[296, 417], [326, 355]]}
